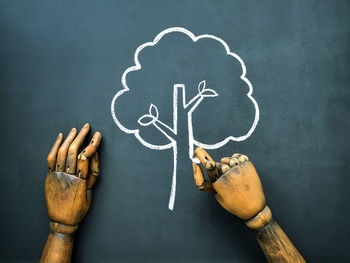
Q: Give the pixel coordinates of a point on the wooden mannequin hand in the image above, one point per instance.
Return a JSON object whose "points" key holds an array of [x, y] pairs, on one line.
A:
{"points": [[235, 183], [67, 198], [68, 190], [237, 187]]}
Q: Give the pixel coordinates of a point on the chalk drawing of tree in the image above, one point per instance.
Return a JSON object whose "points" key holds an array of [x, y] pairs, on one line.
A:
{"points": [[181, 106]]}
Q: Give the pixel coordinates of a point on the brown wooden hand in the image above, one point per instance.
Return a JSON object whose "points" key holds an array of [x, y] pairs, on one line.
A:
{"points": [[237, 187], [68, 191]]}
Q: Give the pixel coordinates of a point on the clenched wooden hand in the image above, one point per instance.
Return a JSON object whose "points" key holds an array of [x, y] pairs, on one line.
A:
{"points": [[68, 190], [237, 187]]}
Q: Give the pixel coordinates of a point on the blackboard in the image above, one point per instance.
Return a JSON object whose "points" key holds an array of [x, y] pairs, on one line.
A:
{"points": [[61, 65]]}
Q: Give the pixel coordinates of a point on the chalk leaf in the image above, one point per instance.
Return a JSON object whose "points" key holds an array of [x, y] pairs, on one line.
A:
{"points": [[209, 93], [201, 86], [146, 120], [153, 111]]}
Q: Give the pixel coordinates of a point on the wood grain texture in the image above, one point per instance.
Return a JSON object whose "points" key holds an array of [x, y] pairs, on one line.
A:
{"points": [[58, 248], [67, 198], [240, 192], [276, 245]]}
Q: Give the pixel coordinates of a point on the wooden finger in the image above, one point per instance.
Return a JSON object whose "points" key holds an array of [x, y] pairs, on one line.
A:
{"points": [[83, 158], [243, 158], [236, 159], [213, 172], [51, 157], [62, 153], [234, 162], [223, 168], [225, 160], [200, 181], [94, 171], [236, 155], [71, 163], [208, 163], [203, 156], [198, 175]]}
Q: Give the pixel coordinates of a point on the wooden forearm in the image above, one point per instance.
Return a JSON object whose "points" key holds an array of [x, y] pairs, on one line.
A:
{"points": [[276, 245], [58, 248], [273, 241], [239, 191], [68, 191], [59, 244]]}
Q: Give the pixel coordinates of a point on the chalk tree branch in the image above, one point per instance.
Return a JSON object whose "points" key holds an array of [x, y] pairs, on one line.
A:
{"points": [[179, 98]]}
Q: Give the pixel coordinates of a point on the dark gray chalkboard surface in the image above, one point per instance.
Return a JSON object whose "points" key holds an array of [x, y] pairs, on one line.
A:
{"points": [[61, 64]]}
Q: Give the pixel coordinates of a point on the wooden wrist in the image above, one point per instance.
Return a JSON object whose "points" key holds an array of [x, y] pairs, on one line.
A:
{"points": [[262, 219], [59, 244], [62, 228]]}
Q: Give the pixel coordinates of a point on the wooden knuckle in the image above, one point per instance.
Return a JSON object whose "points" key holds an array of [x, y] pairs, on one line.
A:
{"points": [[95, 173], [223, 168], [262, 219], [202, 155], [243, 158], [233, 162], [82, 157], [210, 165], [225, 160]]}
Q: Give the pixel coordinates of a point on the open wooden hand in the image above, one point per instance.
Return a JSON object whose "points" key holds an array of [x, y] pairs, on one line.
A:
{"points": [[237, 187], [68, 190], [69, 180]]}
